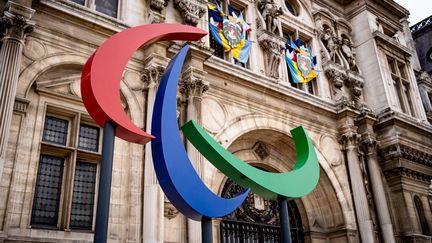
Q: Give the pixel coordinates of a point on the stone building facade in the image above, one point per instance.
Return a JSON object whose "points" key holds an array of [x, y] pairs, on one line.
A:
{"points": [[364, 113]]}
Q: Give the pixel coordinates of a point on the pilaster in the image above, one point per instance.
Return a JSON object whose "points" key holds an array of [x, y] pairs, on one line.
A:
{"points": [[368, 145], [17, 24], [349, 139], [153, 223]]}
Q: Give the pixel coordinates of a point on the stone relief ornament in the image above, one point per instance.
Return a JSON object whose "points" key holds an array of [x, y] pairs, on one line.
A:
{"points": [[270, 11], [191, 10], [273, 47], [349, 53]]}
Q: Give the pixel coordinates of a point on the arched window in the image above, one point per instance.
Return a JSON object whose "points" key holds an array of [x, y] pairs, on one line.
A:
{"points": [[420, 213], [257, 219]]}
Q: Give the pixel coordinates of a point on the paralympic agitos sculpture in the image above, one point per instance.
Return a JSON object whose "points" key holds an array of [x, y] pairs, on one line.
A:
{"points": [[100, 88]]}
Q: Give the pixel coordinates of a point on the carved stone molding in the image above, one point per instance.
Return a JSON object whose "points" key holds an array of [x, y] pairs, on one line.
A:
{"points": [[16, 22], [273, 47], [151, 76], [408, 173], [170, 211], [193, 87], [355, 83], [191, 10], [401, 151], [21, 105], [158, 5]]}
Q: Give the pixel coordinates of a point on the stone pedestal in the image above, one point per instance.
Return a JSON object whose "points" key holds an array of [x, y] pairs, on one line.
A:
{"points": [[16, 20]]}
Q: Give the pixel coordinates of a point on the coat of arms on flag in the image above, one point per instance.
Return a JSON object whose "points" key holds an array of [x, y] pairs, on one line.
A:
{"points": [[230, 31], [301, 62]]}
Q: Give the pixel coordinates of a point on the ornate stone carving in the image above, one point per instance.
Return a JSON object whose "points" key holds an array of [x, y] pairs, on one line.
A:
{"points": [[151, 76], [349, 139], [331, 42], [15, 26], [408, 173], [261, 150], [401, 151], [349, 53], [156, 7], [368, 143], [193, 87], [191, 10], [337, 78], [270, 11], [355, 83], [273, 47], [170, 211]]}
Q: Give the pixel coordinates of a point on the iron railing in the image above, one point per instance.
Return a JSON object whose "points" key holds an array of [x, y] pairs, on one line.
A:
{"points": [[243, 232]]}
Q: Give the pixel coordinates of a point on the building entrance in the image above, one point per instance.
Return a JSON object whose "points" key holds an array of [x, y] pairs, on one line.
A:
{"points": [[257, 219]]}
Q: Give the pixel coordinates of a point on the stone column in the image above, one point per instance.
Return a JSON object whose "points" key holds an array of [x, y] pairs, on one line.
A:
{"points": [[369, 146], [193, 88], [153, 223], [349, 139], [16, 23]]}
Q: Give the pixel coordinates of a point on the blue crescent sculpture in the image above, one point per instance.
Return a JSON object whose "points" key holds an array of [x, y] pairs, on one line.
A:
{"points": [[176, 175]]}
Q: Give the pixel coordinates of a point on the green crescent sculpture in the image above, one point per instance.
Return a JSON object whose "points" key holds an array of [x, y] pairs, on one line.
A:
{"points": [[299, 182]]}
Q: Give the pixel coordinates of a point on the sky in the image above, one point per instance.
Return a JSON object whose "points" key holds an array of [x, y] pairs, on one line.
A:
{"points": [[419, 9]]}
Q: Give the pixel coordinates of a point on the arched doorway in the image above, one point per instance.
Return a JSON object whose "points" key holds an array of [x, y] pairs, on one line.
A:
{"points": [[257, 219]]}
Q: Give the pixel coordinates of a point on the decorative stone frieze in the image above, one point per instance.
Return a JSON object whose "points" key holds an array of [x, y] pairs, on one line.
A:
{"points": [[408, 173], [401, 151], [273, 47], [191, 10]]}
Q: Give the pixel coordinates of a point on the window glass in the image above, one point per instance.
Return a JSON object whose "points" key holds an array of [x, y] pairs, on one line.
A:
{"points": [[55, 130], [108, 7], [83, 196], [48, 189], [80, 2], [88, 138]]}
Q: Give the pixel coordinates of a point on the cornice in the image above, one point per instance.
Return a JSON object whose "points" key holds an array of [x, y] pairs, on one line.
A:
{"points": [[390, 45], [391, 117]]}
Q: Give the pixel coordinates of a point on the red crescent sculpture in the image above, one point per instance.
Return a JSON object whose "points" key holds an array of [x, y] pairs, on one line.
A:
{"points": [[102, 73]]}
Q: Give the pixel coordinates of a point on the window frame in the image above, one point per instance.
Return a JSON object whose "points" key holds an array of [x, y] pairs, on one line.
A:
{"points": [[71, 155], [91, 4], [401, 84]]}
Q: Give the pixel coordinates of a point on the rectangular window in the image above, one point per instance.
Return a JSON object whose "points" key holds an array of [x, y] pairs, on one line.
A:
{"points": [[47, 193], [55, 130], [83, 196], [401, 84], [88, 138], [80, 2], [108, 7], [55, 173]]}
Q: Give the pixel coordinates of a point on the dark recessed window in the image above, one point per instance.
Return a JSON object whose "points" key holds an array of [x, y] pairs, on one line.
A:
{"points": [[47, 192], [55, 130], [88, 138], [429, 55], [108, 7], [83, 196], [80, 2], [290, 7]]}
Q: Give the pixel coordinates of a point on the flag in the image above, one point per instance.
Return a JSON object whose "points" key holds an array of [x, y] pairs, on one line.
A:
{"points": [[230, 31], [301, 62]]}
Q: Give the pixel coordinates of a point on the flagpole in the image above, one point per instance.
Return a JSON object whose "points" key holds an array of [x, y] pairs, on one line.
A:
{"points": [[206, 230], [284, 220], [103, 202]]}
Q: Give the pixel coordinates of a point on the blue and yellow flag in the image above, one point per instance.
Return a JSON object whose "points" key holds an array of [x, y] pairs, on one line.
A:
{"points": [[301, 62], [230, 31]]}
